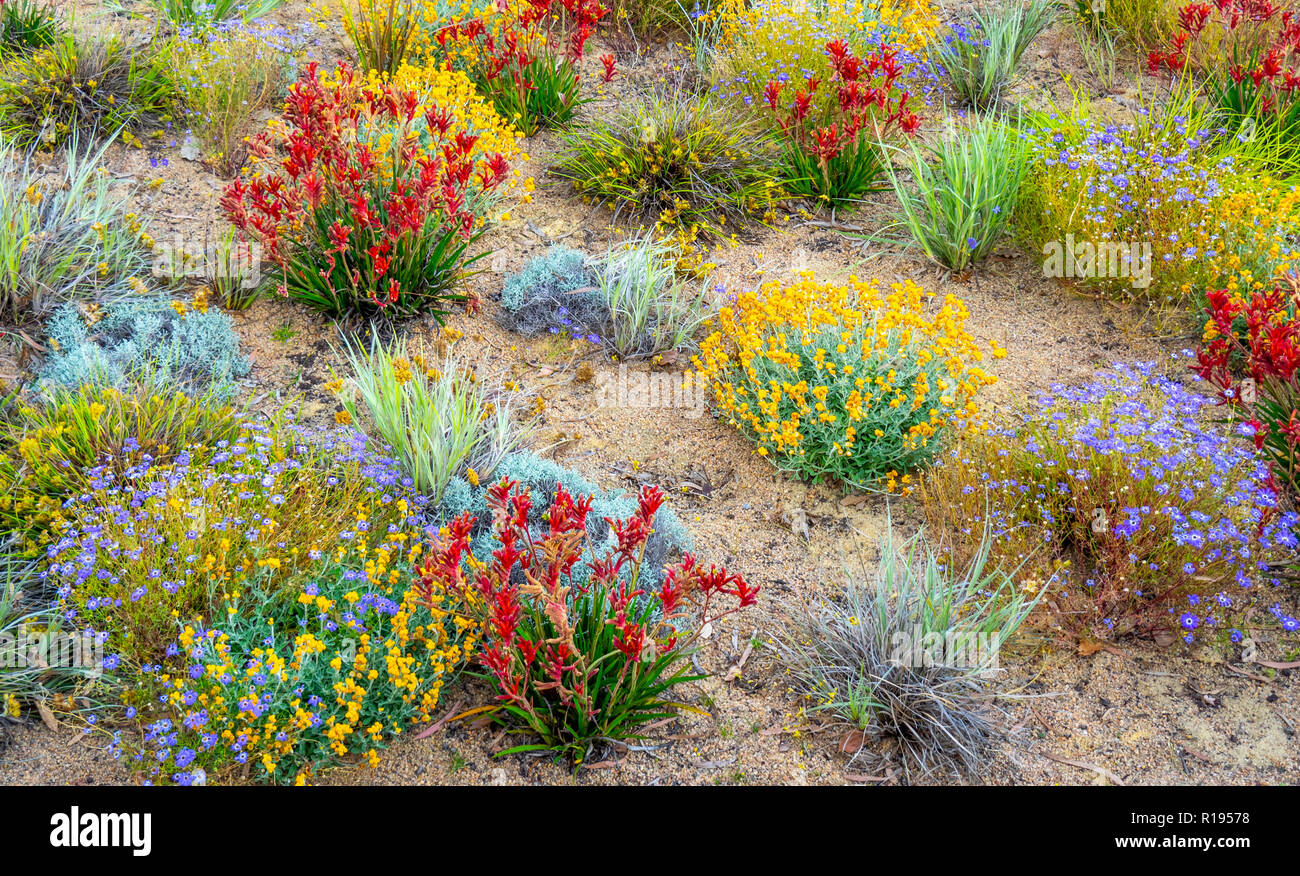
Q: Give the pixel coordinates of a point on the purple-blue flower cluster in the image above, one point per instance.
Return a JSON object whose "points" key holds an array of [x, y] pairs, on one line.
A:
{"points": [[158, 538], [1160, 512], [287, 681]]}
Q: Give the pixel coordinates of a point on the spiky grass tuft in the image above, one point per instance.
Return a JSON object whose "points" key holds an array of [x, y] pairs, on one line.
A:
{"points": [[909, 653]]}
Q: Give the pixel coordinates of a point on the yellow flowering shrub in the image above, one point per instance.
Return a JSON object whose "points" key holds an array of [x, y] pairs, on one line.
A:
{"points": [[852, 382], [440, 88], [1258, 246], [278, 687]]}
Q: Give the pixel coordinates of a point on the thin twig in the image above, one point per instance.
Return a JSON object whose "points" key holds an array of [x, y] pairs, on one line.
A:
{"points": [[1083, 766]]}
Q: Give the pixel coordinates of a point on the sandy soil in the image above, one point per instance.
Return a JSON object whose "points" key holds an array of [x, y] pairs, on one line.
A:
{"points": [[1134, 714]]}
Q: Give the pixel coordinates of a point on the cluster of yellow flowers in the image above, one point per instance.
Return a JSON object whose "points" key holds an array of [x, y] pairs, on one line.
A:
{"points": [[436, 17], [908, 23], [847, 381], [335, 686], [71, 86], [451, 90], [1256, 246]]}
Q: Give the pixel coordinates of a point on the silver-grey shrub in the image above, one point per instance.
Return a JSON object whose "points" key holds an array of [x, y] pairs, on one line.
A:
{"points": [[196, 350], [555, 291], [632, 300]]}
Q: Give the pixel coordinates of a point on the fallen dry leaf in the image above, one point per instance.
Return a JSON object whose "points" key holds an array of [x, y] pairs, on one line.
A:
{"points": [[604, 765], [1102, 771], [852, 742], [859, 777], [797, 520], [436, 726], [47, 716], [734, 672]]}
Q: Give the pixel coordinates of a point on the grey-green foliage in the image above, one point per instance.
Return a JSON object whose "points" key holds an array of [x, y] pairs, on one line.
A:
{"points": [[652, 308], [909, 650], [554, 290], [194, 351], [541, 476], [632, 301]]}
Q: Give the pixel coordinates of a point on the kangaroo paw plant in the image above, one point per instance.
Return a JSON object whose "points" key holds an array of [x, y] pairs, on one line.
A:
{"points": [[367, 198], [577, 665]]}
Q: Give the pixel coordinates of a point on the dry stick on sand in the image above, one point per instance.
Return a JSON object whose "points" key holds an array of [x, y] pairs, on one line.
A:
{"points": [[440, 723], [1083, 766], [1249, 675]]}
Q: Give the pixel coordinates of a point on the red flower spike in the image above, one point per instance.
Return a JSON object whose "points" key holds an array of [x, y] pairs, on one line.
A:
{"points": [[537, 640], [650, 500], [772, 94]]}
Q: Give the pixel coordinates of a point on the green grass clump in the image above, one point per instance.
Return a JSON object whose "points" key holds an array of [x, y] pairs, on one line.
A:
{"points": [[86, 88], [440, 422], [964, 194], [652, 308], [980, 58], [678, 161], [26, 25], [66, 237]]}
